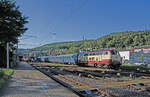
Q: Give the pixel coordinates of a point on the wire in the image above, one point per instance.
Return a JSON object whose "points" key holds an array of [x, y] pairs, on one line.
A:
{"points": [[27, 37], [52, 31]]}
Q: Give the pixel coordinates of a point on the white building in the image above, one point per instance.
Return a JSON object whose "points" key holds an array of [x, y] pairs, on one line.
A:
{"points": [[125, 55]]}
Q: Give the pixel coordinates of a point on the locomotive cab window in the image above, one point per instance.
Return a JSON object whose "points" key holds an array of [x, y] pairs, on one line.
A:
{"points": [[113, 52], [105, 53]]}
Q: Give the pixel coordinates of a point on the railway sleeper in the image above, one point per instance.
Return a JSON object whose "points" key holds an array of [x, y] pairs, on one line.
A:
{"points": [[84, 90]]}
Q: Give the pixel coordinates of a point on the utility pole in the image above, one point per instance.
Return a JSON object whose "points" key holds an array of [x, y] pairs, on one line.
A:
{"points": [[7, 55], [17, 55], [83, 42]]}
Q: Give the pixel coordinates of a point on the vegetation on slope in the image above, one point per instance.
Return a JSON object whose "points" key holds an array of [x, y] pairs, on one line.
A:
{"points": [[125, 39], [114, 40]]}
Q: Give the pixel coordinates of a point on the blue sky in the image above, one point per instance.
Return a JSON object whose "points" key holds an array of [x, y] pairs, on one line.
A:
{"points": [[67, 20]]}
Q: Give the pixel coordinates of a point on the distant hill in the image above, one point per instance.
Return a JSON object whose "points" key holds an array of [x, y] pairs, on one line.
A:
{"points": [[113, 40], [21, 51]]}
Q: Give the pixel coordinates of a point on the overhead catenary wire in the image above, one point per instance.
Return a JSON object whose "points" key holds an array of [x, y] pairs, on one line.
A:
{"points": [[52, 31]]}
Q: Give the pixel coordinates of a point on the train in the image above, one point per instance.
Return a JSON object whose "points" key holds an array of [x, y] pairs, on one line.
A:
{"points": [[108, 58]]}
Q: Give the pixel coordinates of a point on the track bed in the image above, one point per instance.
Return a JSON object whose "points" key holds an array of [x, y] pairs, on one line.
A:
{"points": [[92, 82]]}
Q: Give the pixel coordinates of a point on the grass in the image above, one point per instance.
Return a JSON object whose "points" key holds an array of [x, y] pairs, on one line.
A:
{"points": [[134, 67], [57, 64], [123, 66], [4, 76], [53, 64]]}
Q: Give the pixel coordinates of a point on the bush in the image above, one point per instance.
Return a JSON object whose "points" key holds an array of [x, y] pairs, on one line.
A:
{"points": [[4, 75]]}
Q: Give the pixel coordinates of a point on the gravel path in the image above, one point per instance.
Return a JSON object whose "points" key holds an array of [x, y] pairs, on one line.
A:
{"points": [[28, 82]]}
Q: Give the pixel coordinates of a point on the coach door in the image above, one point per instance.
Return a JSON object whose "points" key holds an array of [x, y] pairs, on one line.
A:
{"points": [[97, 57]]}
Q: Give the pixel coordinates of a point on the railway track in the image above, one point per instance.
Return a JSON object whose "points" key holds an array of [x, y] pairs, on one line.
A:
{"points": [[104, 70], [50, 74], [80, 88], [87, 83]]}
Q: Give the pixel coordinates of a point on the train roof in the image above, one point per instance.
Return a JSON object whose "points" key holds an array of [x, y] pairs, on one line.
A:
{"points": [[65, 55], [43, 56], [101, 51], [68, 54]]}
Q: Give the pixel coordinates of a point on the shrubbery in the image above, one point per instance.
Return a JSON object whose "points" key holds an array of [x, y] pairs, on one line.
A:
{"points": [[4, 75]]}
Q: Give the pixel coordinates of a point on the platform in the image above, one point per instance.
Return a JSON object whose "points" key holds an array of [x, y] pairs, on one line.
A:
{"points": [[28, 82]]}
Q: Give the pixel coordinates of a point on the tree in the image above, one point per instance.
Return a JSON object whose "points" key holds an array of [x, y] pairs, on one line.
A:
{"points": [[11, 22], [142, 57], [12, 25]]}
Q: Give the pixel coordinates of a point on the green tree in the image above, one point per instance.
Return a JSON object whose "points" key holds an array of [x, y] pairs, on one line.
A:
{"points": [[142, 57], [12, 25], [11, 22]]}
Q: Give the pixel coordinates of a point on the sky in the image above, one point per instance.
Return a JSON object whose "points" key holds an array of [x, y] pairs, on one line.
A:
{"points": [[69, 20]]}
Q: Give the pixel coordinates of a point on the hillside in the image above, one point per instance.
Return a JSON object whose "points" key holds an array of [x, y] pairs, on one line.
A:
{"points": [[114, 40]]}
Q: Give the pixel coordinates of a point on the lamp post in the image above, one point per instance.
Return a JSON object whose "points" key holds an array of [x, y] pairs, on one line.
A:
{"points": [[7, 55]]}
